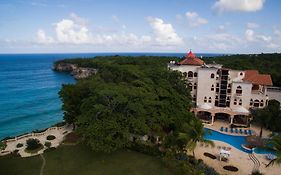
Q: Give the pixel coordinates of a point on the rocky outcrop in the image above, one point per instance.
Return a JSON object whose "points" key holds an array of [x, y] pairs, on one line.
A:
{"points": [[75, 70]]}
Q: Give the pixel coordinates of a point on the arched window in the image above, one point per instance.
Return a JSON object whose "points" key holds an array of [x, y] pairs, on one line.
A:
{"points": [[241, 73], [235, 102], [217, 97], [240, 102], [261, 104], [195, 86], [195, 74], [228, 98], [256, 103], [210, 100], [194, 98], [190, 86], [205, 99], [212, 75], [251, 102], [212, 88], [190, 74], [238, 90]]}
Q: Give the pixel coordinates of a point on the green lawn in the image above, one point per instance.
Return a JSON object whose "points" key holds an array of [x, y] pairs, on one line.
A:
{"points": [[74, 160]]}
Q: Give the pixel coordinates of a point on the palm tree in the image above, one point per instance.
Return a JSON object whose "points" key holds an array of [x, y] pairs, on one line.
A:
{"points": [[275, 146], [196, 134], [261, 118]]}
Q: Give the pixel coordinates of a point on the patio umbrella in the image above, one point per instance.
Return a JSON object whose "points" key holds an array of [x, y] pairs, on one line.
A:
{"points": [[254, 141]]}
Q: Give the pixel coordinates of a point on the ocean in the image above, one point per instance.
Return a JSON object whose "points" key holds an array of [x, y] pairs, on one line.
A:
{"points": [[29, 89]]}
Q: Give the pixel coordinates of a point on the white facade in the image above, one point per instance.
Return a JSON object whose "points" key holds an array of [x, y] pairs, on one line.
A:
{"points": [[216, 90]]}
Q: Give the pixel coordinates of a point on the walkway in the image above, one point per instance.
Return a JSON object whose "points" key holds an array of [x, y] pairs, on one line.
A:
{"points": [[43, 164]]}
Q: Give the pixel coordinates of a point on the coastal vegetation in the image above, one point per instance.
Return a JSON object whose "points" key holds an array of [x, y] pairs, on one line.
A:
{"points": [[135, 102], [265, 63]]}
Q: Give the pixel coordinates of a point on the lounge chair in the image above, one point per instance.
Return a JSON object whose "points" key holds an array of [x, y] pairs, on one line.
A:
{"points": [[241, 131], [221, 129], [250, 132], [236, 130], [231, 130], [226, 129], [245, 132]]}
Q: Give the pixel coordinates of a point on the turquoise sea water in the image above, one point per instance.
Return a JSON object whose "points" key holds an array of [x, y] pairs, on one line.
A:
{"points": [[29, 90]]}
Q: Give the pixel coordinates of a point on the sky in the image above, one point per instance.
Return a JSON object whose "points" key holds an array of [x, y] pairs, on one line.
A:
{"points": [[205, 26]]}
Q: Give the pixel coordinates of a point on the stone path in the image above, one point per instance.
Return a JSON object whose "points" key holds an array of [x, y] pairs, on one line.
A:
{"points": [[43, 164]]}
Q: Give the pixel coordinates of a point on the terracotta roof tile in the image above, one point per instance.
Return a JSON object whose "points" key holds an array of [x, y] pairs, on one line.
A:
{"points": [[191, 59], [254, 77]]}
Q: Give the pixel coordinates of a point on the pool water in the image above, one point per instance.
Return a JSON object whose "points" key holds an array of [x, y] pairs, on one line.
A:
{"points": [[235, 141]]}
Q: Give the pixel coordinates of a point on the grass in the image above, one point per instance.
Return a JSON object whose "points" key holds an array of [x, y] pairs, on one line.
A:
{"points": [[79, 159]]}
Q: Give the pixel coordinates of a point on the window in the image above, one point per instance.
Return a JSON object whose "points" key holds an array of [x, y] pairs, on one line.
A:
{"points": [[261, 104], [190, 74], [195, 86], [217, 97], [256, 103], [190, 86], [212, 75], [212, 88], [235, 102], [205, 99], [194, 98], [210, 100], [228, 98], [185, 74], [238, 90], [195, 74], [240, 102], [251, 102], [241, 73]]}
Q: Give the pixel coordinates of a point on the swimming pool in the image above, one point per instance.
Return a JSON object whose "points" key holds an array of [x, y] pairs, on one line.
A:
{"points": [[235, 141]]}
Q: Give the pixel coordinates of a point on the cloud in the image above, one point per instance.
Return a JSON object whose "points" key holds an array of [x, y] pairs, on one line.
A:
{"points": [[194, 20], [42, 38], [252, 25], [164, 32], [67, 31], [74, 31], [238, 5], [251, 36]]}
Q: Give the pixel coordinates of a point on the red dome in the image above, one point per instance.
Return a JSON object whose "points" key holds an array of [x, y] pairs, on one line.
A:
{"points": [[190, 59]]}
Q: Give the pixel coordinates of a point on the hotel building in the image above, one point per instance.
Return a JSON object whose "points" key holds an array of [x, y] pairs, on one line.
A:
{"points": [[222, 93]]}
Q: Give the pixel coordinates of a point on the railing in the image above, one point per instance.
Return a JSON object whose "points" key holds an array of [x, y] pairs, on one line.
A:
{"points": [[34, 134]]}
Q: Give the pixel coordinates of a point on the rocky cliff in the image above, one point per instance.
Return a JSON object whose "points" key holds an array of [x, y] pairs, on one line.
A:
{"points": [[77, 72]]}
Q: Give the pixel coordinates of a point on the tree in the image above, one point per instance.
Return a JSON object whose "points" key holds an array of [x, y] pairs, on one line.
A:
{"points": [[268, 117], [32, 144], [130, 96], [261, 118], [196, 134], [274, 145]]}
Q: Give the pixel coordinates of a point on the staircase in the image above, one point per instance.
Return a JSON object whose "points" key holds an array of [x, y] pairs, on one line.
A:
{"points": [[255, 161]]}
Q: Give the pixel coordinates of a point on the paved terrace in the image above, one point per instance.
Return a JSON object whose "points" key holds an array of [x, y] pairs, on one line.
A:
{"points": [[58, 132]]}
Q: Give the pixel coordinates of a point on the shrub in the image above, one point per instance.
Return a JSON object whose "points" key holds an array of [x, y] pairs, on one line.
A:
{"points": [[146, 149], [3, 145], [51, 137], [48, 144], [33, 144], [60, 124], [19, 145]]}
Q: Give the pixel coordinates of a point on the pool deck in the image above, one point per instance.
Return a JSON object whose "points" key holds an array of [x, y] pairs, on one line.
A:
{"points": [[255, 129], [237, 158]]}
